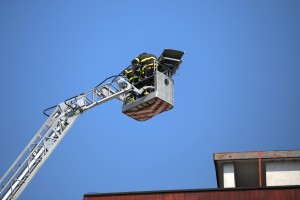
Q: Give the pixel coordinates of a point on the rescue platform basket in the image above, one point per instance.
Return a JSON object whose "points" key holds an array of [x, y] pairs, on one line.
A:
{"points": [[161, 98]]}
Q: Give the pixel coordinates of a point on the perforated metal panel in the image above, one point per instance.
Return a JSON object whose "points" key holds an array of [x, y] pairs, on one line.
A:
{"points": [[164, 87], [154, 103]]}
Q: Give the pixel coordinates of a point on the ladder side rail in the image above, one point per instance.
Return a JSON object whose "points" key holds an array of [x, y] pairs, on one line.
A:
{"points": [[95, 100], [110, 88], [25, 170], [47, 151], [27, 148], [91, 96], [97, 96], [53, 131], [24, 161], [68, 110], [105, 99]]}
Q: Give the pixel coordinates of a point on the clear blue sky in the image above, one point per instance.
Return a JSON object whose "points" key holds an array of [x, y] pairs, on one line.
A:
{"points": [[238, 88]]}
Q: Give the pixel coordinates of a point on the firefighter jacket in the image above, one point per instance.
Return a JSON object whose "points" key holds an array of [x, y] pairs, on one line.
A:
{"points": [[145, 60]]}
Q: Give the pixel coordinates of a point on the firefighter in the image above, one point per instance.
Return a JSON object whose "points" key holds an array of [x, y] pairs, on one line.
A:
{"points": [[146, 64], [133, 76]]}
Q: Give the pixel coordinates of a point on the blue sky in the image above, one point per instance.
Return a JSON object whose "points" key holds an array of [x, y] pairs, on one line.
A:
{"points": [[237, 89]]}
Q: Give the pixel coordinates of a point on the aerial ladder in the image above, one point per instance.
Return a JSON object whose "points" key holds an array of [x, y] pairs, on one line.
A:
{"points": [[64, 115]]}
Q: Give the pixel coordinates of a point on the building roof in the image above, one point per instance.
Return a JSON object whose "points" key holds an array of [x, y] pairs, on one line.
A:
{"points": [[260, 193], [248, 169]]}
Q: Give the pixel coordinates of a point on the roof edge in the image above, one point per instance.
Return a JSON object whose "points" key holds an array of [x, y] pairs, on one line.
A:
{"points": [[192, 190], [276, 154]]}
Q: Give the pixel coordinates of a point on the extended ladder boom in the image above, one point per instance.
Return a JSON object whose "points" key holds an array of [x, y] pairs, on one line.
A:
{"points": [[52, 132], [159, 100]]}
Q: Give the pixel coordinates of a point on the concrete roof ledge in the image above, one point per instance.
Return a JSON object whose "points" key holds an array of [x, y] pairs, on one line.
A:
{"points": [[257, 154]]}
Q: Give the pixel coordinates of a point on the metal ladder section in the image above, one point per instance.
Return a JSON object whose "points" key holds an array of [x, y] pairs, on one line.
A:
{"points": [[52, 132]]}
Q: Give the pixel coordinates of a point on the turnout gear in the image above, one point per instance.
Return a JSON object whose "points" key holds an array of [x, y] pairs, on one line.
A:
{"points": [[141, 73], [146, 63], [133, 76]]}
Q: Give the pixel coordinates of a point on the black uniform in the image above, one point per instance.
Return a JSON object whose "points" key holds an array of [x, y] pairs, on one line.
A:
{"points": [[146, 63], [133, 75], [141, 73]]}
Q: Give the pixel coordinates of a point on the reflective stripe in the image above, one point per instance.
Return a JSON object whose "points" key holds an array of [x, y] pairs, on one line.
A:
{"points": [[133, 78], [128, 71], [149, 65], [146, 59], [137, 59]]}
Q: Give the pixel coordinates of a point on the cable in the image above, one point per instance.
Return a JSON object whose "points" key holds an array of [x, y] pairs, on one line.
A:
{"points": [[47, 110], [107, 79], [120, 74]]}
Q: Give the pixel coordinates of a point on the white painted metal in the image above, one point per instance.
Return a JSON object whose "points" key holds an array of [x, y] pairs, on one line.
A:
{"points": [[52, 132], [279, 173], [61, 120], [228, 175]]}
